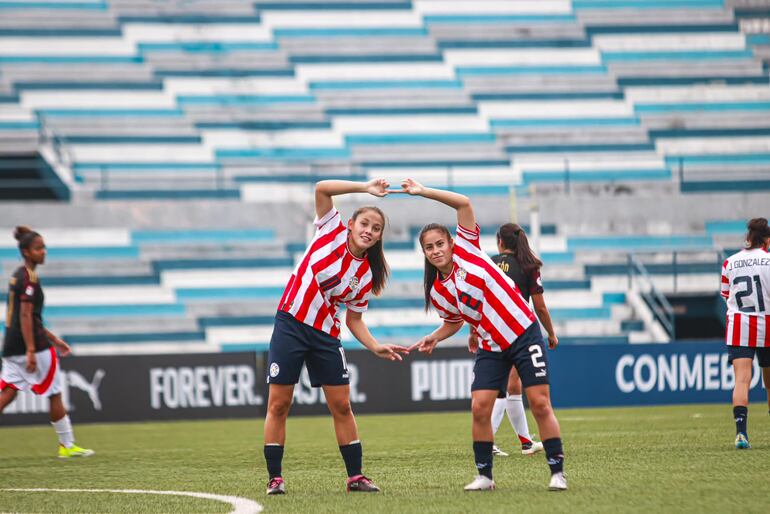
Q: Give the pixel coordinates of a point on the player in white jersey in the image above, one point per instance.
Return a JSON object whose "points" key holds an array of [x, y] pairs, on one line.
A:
{"points": [[464, 285], [746, 289], [344, 264]]}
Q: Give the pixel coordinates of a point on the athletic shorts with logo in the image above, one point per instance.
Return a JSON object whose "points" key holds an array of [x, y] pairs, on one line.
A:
{"points": [[527, 354], [294, 343], [44, 381]]}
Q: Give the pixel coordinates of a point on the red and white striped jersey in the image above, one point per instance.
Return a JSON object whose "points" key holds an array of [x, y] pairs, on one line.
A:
{"points": [[479, 293], [746, 288], [327, 276]]}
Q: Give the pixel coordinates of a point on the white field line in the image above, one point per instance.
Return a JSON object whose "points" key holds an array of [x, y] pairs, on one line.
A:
{"points": [[240, 505]]}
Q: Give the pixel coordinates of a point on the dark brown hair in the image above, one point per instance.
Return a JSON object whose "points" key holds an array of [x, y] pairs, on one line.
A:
{"points": [[375, 255], [758, 232], [431, 271], [24, 235], [513, 238]]}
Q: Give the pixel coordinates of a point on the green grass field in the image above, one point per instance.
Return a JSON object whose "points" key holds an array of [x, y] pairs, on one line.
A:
{"points": [[653, 459]]}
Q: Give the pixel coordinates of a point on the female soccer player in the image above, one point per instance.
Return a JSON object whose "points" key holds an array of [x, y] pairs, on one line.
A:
{"points": [[517, 260], [464, 285], [746, 289], [344, 264], [30, 362]]}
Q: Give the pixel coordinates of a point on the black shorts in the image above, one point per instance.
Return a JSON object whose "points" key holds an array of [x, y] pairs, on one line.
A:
{"points": [[527, 354], [294, 343], [744, 352]]}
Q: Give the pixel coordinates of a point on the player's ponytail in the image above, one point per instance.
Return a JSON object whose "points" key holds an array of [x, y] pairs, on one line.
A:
{"points": [[24, 235], [758, 234], [513, 238], [375, 254], [431, 271]]}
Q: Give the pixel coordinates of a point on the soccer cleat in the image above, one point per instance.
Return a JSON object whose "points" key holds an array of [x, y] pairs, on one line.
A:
{"points": [[498, 452], [742, 442], [531, 448], [558, 482], [481, 483], [74, 451], [276, 485], [361, 484]]}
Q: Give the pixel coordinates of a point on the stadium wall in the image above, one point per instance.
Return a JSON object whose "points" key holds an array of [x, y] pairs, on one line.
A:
{"points": [[233, 385]]}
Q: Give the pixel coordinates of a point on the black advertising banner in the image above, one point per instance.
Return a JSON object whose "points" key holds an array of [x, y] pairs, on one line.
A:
{"points": [[150, 388], [441, 382]]}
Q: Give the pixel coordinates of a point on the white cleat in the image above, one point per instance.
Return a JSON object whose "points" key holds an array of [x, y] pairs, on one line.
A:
{"points": [[533, 448], [558, 482], [498, 452], [481, 483]]}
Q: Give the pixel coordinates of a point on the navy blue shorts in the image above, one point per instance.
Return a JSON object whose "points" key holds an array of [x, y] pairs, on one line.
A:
{"points": [[744, 352], [527, 353], [294, 343]]}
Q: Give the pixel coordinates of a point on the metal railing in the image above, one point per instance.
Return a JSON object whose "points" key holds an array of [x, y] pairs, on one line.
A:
{"points": [[657, 302]]}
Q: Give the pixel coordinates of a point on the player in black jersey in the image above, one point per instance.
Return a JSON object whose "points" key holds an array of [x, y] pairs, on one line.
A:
{"points": [[30, 362], [523, 267]]}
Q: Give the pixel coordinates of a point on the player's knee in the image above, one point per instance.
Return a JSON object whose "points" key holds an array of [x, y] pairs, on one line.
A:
{"points": [[481, 409], [341, 409], [278, 408], [540, 406]]}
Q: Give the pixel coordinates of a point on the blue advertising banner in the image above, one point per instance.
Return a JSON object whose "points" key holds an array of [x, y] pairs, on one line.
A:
{"points": [[645, 374]]}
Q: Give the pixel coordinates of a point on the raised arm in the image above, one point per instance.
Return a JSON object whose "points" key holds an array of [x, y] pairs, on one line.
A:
{"points": [[461, 203], [325, 189]]}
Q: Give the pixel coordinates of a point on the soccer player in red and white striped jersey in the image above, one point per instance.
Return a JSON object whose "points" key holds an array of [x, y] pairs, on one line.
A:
{"points": [[746, 289], [344, 264], [465, 286]]}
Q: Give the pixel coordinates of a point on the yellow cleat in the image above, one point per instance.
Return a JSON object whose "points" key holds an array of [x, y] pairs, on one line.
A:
{"points": [[74, 451]]}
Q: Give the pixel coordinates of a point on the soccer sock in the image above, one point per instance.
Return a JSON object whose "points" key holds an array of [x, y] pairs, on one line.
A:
{"points": [[482, 452], [273, 457], [514, 406], [554, 454], [498, 411], [741, 414], [63, 429], [352, 454]]}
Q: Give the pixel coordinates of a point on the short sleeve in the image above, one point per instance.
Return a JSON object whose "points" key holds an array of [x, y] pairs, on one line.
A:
{"points": [[327, 221], [725, 289], [535, 283], [446, 315], [359, 306], [472, 236], [26, 289]]}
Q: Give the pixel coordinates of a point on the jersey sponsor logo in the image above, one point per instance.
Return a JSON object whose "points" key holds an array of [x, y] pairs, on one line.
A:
{"points": [[274, 369], [29, 291]]}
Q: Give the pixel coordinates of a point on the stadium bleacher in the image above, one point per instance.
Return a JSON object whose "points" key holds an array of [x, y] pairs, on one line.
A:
{"points": [[131, 100]]}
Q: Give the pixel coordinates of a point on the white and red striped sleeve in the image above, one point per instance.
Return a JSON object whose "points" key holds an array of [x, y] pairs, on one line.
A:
{"points": [[725, 289], [472, 236], [325, 223]]}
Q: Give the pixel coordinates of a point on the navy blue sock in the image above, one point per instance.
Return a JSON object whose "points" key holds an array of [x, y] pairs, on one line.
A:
{"points": [[740, 413], [554, 454], [482, 452], [273, 457], [352, 454]]}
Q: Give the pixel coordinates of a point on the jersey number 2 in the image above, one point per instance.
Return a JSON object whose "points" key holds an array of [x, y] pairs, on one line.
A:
{"points": [[740, 295]]}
